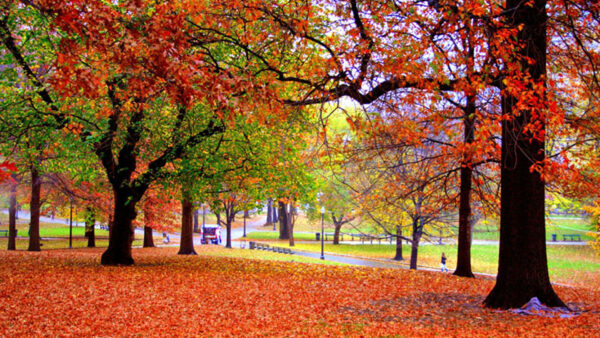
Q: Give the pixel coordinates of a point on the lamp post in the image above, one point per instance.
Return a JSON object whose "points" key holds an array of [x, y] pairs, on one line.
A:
{"points": [[71, 224], [273, 216], [322, 232], [244, 224]]}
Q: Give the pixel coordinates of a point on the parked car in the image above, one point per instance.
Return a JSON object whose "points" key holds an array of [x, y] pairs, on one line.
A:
{"points": [[211, 234]]}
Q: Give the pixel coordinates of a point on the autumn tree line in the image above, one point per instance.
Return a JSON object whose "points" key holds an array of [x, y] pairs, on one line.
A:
{"points": [[457, 103]]}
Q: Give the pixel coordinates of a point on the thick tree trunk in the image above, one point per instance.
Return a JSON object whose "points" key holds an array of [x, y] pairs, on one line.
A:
{"points": [[186, 244], [121, 232], [90, 224], [463, 261], [336, 232], [398, 256], [148, 238], [522, 265], [414, 252], [34, 206], [414, 246], [283, 222], [269, 212], [12, 218]]}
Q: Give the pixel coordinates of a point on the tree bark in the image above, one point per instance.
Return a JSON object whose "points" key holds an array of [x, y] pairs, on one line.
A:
{"points": [[523, 266], [34, 206], [121, 232], [269, 212], [337, 223], [463, 260], [90, 224], [186, 244], [414, 246], [398, 256], [196, 223], [148, 238], [229, 216], [12, 218], [283, 231], [290, 225]]}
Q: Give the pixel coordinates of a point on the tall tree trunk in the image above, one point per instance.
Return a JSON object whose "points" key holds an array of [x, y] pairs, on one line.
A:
{"points": [[416, 238], [283, 222], [186, 244], [90, 225], [522, 265], [398, 256], [290, 225], [246, 214], [463, 261], [229, 215], [275, 214], [337, 223], [12, 218], [34, 212], [336, 233], [269, 212], [121, 232], [196, 223], [148, 238]]}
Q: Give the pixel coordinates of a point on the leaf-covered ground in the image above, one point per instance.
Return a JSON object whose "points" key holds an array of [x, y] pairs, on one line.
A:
{"points": [[62, 292]]}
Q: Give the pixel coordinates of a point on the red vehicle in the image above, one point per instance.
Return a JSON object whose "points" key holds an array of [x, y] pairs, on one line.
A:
{"points": [[211, 234]]}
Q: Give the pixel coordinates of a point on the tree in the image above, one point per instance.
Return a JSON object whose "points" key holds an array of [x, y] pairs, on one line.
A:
{"points": [[124, 91], [186, 246], [522, 220]]}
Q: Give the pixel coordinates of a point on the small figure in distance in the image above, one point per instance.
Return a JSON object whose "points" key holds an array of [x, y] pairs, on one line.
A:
{"points": [[165, 238], [444, 268]]}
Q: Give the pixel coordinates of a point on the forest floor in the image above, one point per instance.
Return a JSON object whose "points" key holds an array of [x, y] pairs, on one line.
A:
{"points": [[67, 292]]}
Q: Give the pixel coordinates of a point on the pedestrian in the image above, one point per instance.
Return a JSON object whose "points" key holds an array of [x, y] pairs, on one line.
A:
{"points": [[165, 238], [444, 268]]}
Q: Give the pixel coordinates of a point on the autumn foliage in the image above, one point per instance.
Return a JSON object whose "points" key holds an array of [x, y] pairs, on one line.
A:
{"points": [[68, 293]]}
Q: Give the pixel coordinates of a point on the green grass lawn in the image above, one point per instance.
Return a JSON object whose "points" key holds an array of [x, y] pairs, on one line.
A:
{"points": [[48, 244], [567, 264], [554, 225], [259, 254], [62, 231], [274, 236]]}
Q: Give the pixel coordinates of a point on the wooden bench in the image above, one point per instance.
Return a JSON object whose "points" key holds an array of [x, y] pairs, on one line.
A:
{"points": [[572, 237], [4, 233]]}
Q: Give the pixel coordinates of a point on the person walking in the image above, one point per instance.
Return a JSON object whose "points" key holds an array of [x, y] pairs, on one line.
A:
{"points": [[444, 268]]}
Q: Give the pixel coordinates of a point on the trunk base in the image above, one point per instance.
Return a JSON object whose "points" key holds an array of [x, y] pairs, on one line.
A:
{"points": [[503, 297], [460, 273], [187, 252], [114, 257]]}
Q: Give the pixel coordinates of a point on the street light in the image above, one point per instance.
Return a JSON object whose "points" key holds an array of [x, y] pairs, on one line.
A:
{"points": [[71, 224], [322, 232], [273, 211], [244, 224]]}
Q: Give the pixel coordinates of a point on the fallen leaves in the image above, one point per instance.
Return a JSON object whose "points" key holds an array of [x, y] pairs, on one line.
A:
{"points": [[62, 292]]}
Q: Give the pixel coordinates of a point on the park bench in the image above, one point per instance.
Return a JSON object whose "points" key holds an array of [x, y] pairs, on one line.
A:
{"points": [[4, 233], [259, 246], [572, 237]]}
